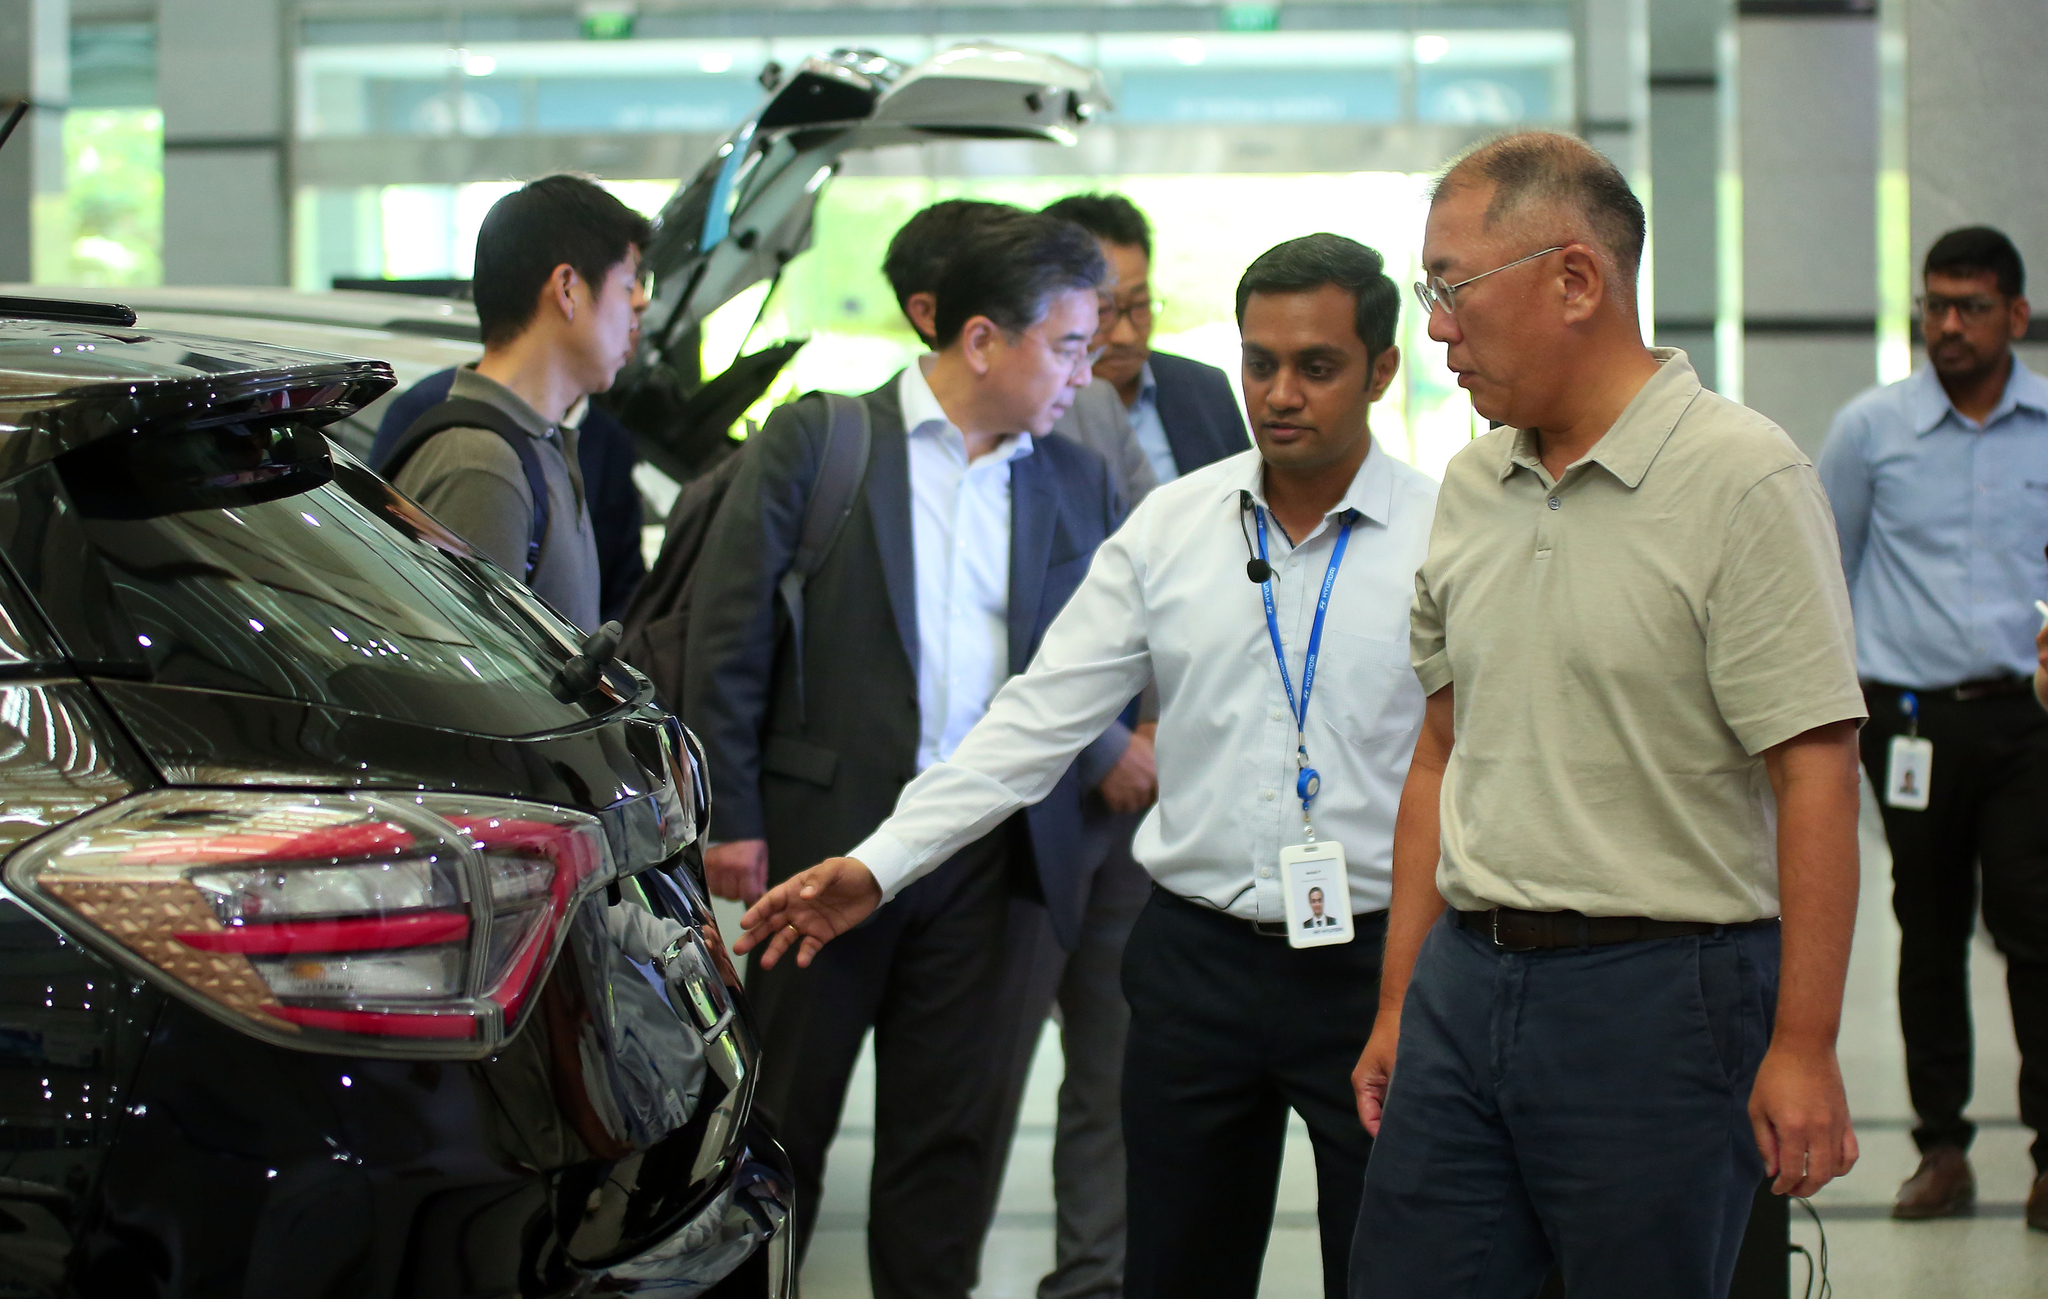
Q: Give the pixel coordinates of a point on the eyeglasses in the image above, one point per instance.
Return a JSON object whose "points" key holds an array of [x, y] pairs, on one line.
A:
{"points": [[1084, 360], [1433, 292], [1139, 313], [1973, 310]]}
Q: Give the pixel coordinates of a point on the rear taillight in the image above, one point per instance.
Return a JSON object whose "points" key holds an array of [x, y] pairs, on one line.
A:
{"points": [[357, 923]]}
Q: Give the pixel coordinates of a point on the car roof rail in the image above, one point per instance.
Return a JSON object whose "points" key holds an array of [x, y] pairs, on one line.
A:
{"points": [[68, 311]]}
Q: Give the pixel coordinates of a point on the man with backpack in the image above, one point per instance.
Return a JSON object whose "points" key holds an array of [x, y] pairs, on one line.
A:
{"points": [[817, 699], [558, 299], [605, 454]]}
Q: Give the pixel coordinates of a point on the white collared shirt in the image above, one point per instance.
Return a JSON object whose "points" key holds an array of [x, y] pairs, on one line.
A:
{"points": [[960, 546], [1167, 599]]}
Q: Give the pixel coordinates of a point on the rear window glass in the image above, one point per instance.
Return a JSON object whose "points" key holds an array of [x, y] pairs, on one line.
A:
{"points": [[337, 595]]}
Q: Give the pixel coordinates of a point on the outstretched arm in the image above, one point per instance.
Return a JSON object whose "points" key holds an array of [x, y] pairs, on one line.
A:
{"points": [[1094, 658], [809, 910]]}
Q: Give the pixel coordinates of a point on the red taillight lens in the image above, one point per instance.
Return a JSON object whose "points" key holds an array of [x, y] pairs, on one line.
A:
{"points": [[359, 923]]}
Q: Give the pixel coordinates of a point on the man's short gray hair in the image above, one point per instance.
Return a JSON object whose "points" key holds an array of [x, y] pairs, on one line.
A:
{"points": [[1547, 169]]}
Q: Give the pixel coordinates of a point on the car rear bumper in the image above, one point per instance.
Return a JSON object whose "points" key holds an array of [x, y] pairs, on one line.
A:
{"points": [[749, 1222], [244, 1168]]}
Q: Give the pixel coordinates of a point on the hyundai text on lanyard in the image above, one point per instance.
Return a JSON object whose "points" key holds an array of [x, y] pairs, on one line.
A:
{"points": [[1313, 878]]}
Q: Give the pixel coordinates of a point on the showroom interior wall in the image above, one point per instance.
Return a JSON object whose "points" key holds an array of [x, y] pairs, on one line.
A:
{"points": [[221, 77], [1975, 148], [1807, 108], [1687, 138], [1759, 130]]}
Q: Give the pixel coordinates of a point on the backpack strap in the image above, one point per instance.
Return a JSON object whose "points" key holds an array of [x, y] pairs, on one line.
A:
{"points": [[468, 412], [841, 466]]}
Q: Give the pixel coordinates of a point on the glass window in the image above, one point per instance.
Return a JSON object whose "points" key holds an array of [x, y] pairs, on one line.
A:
{"points": [[344, 595]]}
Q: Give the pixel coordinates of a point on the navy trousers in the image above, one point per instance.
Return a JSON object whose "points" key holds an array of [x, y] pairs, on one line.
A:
{"points": [[1585, 1106], [1229, 1030]]}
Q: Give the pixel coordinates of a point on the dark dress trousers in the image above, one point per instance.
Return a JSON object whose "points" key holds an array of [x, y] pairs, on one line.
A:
{"points": [[1203, 424], [1199, 412], [809, 746], [605, 454], [1983, 829]]}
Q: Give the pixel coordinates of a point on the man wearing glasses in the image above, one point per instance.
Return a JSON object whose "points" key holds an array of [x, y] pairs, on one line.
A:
{"points": [[1637, 753], [969, 532], [1940, 491], [1183, 411]]}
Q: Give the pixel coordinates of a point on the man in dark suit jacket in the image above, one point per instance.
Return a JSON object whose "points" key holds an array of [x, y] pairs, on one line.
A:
{"points": [[1184, 412], [969, 533], [605, 454]]}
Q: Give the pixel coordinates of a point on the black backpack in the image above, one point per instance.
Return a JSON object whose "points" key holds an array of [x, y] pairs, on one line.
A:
{"points": [[467, 412], [658, 620]]}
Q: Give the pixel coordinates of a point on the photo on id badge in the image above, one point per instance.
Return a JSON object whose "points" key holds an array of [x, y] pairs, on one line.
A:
{"points": [[1908, 772], [1318, 894]]}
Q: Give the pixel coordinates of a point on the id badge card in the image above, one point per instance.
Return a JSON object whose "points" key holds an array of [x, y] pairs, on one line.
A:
{"points": [[1908, 773], [1318, 894]]}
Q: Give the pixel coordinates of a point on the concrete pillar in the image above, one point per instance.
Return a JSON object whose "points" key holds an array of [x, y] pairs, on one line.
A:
{"points": [[1610, 43], [1976, 152], [1686, 165], [222, 79], [35, 65], [1808, 131]]}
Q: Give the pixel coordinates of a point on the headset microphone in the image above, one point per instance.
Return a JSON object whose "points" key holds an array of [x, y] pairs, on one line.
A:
{"points": [[1258, 570]]}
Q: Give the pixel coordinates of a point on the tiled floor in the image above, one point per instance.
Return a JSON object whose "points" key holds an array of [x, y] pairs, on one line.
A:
{"points": [[1870, 1257]]}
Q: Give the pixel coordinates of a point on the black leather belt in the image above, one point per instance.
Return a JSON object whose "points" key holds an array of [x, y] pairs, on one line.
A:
{"points": [[1263, 928], [1539, 931], [2005, 687]]}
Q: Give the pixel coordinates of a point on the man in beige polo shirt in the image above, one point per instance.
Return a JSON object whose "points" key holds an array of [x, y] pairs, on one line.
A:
{"points": [[1638, 754]]}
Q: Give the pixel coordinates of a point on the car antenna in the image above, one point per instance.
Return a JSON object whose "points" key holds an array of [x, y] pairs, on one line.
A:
{"points": [[13, 120]]}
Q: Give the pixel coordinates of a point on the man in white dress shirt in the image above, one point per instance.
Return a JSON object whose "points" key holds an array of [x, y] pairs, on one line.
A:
{"points": [[1231, 1025]]}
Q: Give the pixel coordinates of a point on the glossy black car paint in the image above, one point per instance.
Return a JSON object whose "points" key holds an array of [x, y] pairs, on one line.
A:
{"points": [[148, 1148]]}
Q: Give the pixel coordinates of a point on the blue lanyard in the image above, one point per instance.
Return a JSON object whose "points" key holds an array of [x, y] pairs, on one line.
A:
{"points": [[1307, 782]]}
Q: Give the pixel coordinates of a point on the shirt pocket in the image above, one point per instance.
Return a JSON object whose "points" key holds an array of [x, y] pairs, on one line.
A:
{"points": [[1368, 688]]}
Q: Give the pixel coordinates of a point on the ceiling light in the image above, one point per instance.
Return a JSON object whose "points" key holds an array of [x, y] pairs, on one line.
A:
{"points": [[1186, 49], [1428, 49], [715, 62]]}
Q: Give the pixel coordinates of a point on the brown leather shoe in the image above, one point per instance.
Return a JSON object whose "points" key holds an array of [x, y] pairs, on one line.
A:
{"points": [[2037, 1204], [1943, 1186]]}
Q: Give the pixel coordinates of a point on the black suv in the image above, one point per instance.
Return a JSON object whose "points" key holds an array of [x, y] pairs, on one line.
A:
{"points": [[352, 938]]}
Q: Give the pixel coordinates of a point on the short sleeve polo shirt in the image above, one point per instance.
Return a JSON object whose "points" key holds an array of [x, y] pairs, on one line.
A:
{"points": [[1626, 641]]}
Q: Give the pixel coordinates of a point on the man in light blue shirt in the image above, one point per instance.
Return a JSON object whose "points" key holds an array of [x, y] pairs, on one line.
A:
{"points": [[1940, 490]]}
